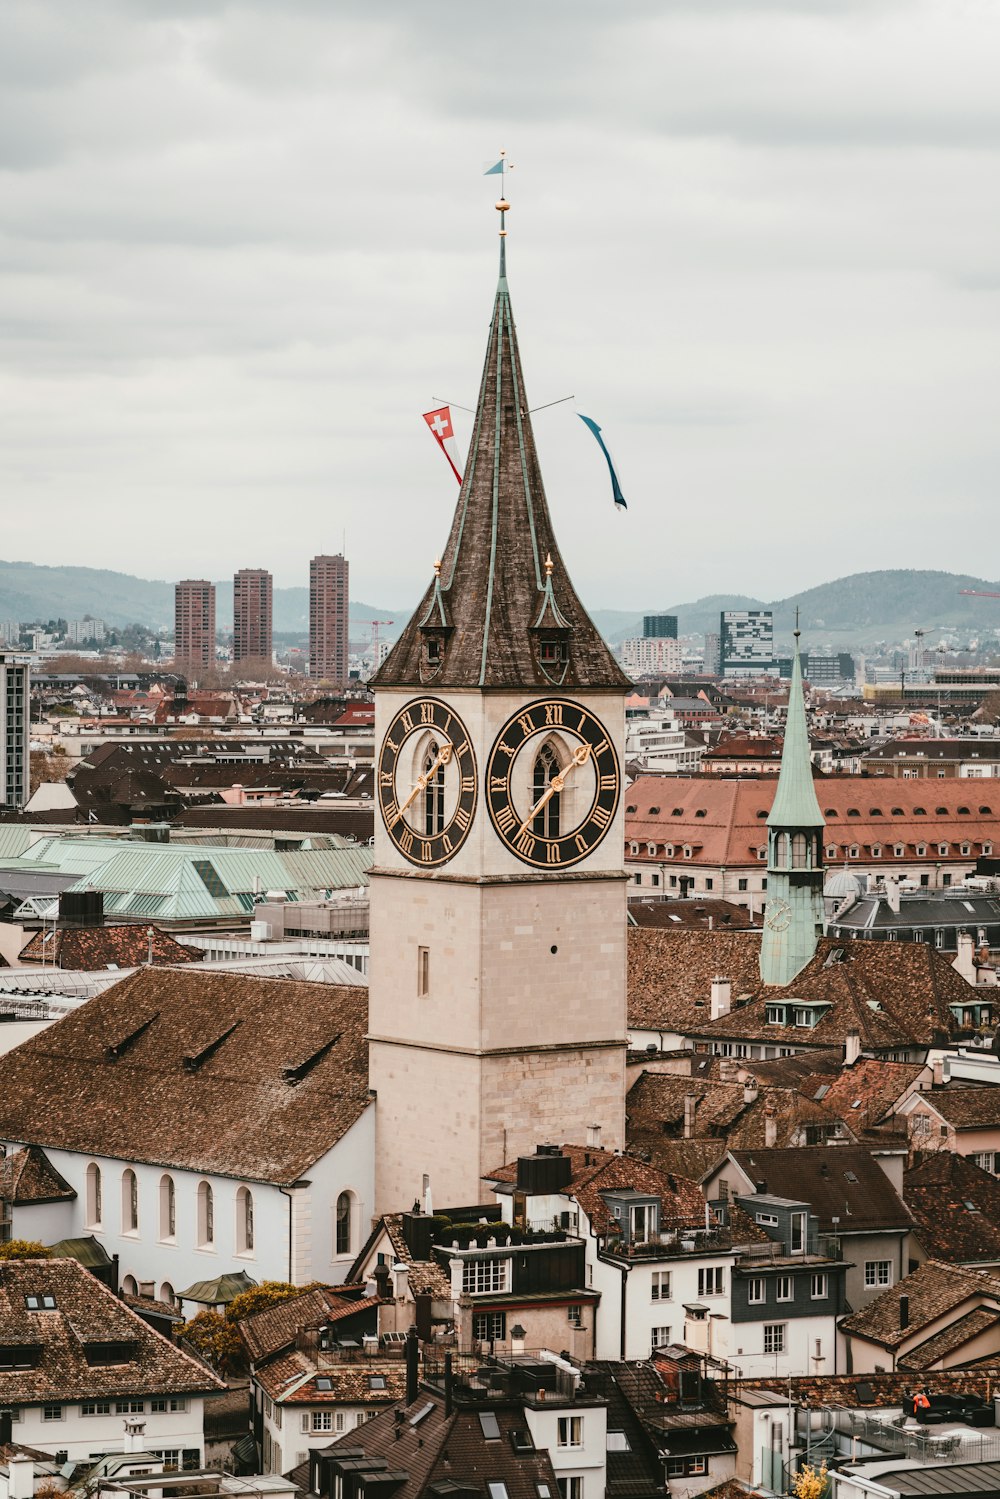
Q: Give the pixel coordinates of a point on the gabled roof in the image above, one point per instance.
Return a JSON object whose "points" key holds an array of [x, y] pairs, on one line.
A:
{"points": [[93, 948], [276, 1327], [29, 1176], [217, 1072], [934, 1290], [842, 1181], [865, 1093], [956, 1208], [84, 1313], [599, 1171], [493, 572], [966, 1108], [670, 974]]}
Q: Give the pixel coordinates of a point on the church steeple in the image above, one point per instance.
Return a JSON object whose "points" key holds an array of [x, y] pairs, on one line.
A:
{"points": [[793, 919], [513, 618]]}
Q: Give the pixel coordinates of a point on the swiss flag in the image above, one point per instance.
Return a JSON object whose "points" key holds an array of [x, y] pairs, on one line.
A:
{"points": [[439, 422]]}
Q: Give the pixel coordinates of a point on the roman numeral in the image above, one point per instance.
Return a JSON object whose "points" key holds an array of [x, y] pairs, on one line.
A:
{"points": [[506, 819], [462, 819], [446, 843], [468, 785], [425, 852], [406, 719], [608, 783], [498, 783], [553, 854], [553, 713], [385, 777], [392, 746], [406, 841], [602, 748], [525, 725], [601, 816], [426, 712], [525, 844], [505, 749], [463, 749], [581, 843], [391, 811]]}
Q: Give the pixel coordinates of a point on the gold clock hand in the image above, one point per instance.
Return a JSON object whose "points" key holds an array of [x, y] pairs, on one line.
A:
{"points": [[578, 757], [423, 781]]}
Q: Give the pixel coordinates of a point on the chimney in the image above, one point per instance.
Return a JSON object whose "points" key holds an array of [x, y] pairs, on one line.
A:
{"points": [[937, 1072], [428, 1202], [382, 1277], [21, 1477], [852, 1048], [690, 1108], [770, 1127], [722, 995], [401, 1275], [964, 961], [904, 1311], [892, 895], [593, 1137], [412, 1365], [750, 1090], [135, 1434]]}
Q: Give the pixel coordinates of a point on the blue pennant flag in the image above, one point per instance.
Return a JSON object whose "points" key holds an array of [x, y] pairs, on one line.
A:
{"points": [[496, 171], [616, 491]]}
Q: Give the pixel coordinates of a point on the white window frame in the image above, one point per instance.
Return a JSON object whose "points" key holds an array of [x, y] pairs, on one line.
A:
{"points": [[819, 1287], [485, 1277], [775, 1339], [756, 1291], [661, 1286], [878, 1273], [711, 1281], [784, 1288], [569, 1431]]}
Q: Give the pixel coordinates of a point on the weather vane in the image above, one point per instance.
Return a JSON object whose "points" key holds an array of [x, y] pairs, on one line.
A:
{"points": [[500, 169]]}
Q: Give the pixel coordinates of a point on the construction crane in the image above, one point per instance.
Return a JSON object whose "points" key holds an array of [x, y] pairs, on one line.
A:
{"points": [[376, 625], [979, 593]]}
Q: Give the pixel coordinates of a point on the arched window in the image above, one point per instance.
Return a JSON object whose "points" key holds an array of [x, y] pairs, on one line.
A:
{"points": [[345, 1223], [800, 846], [206, 1216], [244, 1221], [130, 1202], [546, 823], [167, 1294], [130, 1286], [168, 1208], [95, 1213], [434, 792]]}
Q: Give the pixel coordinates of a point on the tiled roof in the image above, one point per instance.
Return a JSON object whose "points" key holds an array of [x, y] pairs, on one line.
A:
{"points": [[657, 1099], [92, 948], [451, 1448], [866, 1092], [85, 1312], [967, 1108], [247, 1077], [955, 1207], [29, 1176], [728, 818], [426, 1277], [933, 1290], [670, 974], [597, 1171], [704, 914], [277, 1326], [842, 1181], [953, 1337], [295, 1379], [792, 1117], [874, 1391]]}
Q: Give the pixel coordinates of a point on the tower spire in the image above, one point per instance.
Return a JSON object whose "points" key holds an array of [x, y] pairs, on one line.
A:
{"points": [[793, 919], [511, 622]]}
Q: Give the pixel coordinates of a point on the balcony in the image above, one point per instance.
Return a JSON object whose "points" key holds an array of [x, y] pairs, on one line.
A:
{"points": [[672, 1245]]}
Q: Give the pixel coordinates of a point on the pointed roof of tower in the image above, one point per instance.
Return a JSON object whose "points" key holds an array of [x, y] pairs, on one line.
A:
{"points": [[495, 600], [795, 804]]}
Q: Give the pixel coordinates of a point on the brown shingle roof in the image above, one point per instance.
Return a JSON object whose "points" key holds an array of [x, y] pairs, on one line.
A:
{"points": [[842, 1181], [933, 1290], [29, 1176], [866, 1092], [85, 1312], [277, 1326], [956, 1208], [958, 1333], [670, 974], [91, 948], [597, 1171], [292, 1379], [187, 1068], [967, 1108]]}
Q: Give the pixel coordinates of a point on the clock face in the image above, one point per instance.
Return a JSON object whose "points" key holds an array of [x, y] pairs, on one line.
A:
{"points": [[427, 782], [779, 914], [552, 783]]}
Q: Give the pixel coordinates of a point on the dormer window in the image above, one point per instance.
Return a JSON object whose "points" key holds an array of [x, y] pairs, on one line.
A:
{"points": [[434, 651], [552, 651]]}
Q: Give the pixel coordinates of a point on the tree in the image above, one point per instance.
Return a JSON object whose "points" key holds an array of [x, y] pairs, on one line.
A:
{"points": [[217, 1340], [810, 1482], [268, 1293], [24, 1249]]}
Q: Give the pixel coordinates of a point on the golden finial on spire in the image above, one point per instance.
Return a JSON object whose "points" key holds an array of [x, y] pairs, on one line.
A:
{"points": [[437, 567], [548, 565]]}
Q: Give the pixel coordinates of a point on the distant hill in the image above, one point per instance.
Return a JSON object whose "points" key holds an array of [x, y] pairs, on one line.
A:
{"points": [[859, 610]]}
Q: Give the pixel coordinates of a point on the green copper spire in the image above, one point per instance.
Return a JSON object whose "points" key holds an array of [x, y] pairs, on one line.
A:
{"points": [[795, 804], [793, 917]]}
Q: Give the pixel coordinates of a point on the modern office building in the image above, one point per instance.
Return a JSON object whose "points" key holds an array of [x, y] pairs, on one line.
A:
{"points": [[646, 654], [194, 625], [659, 626], [253, 591], [328, 617], [14, 712], [746, 642]]}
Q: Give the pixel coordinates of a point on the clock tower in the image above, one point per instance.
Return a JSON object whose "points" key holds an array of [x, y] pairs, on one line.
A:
{"points": [[497, 985], [793, 917]]}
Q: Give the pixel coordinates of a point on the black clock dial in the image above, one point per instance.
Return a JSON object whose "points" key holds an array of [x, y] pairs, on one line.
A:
{"points": [[552, 783], [427, 782]]}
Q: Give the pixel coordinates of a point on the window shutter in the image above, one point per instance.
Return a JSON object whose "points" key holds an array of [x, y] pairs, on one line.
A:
{"points": [[305, 1420]]}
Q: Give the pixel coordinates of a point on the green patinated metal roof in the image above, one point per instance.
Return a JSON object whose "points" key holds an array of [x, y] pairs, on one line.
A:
{"points": [[220, 1291], [90, 1252], [795, 804]]}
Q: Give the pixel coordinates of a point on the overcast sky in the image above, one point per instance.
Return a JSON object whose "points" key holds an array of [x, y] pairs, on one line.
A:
{"points": [[243, 246]]}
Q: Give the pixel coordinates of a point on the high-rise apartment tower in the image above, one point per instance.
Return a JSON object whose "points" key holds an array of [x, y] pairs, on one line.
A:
{"points": [[253, 590], [14, 708], [194, 625], [328, 617]]}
